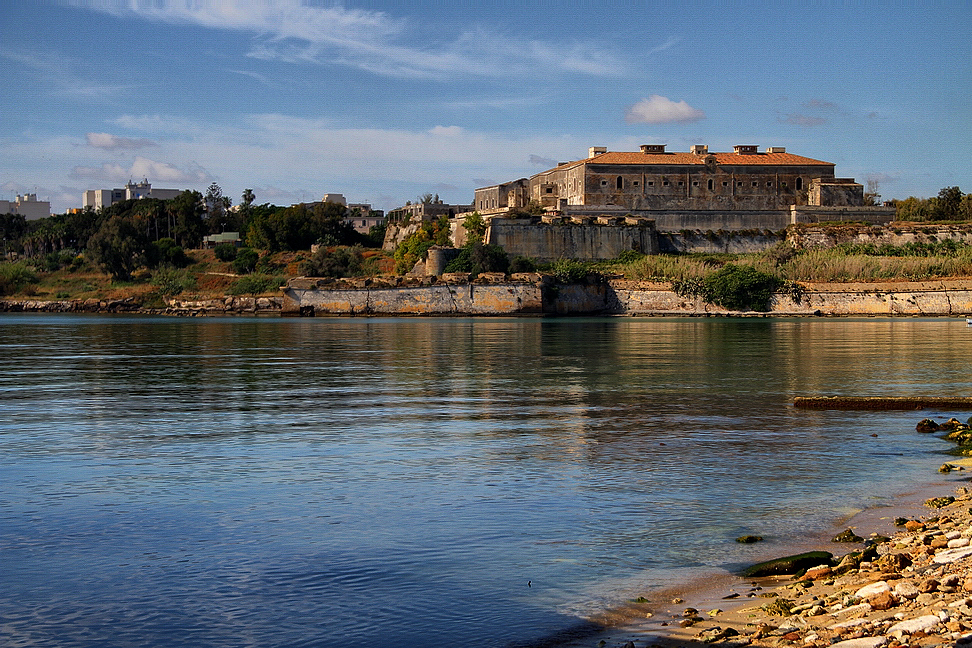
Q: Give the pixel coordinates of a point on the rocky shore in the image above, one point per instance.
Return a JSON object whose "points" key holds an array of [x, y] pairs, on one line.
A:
{"points": [[912, 589], [173, 307]]}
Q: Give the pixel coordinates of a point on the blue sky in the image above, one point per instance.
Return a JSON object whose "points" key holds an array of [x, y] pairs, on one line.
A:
{"points": [[384, 101]]}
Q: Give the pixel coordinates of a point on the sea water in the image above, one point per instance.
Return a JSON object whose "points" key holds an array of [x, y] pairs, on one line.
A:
{"points": [[426, 482]]}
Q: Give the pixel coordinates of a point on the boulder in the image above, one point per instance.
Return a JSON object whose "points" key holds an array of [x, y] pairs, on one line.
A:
{"points": [[927, 425], [749, 539], [847, 536], [789, 564], [925, 623]]}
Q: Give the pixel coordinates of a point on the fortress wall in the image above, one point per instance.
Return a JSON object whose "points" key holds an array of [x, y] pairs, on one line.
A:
{"points": [[585, 242]]}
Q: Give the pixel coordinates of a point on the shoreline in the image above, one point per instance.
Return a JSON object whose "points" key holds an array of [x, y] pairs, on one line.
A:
{"points": [[730, 603]]}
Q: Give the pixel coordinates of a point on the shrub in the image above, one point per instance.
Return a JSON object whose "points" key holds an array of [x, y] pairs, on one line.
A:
{"points": [[568, 271], [255, 284], [629, 256], [225, 252], [341, 262], [246, 261], [166, 252], [522, 264], [740, 287], [170, 281], [16, 277]]}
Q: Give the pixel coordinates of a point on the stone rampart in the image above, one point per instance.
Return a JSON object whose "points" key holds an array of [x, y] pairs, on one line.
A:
{"points": [[583, 239], [436, 299], [623, 297]]}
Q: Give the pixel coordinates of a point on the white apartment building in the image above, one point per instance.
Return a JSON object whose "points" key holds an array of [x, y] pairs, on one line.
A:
{"points": [[101, 198], [27, 206]]}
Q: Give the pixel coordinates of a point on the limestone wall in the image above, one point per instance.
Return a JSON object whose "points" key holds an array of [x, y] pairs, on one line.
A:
{"points": [[436, 299], [586, 242], [730, 242]]}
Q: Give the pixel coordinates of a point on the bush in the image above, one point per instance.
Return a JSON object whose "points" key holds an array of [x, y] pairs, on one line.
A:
{"points": [[733, 287], [629, 256], [341, 262], [522, 264], [15, 277], [166, 252], [245, 261], [256, 284], [568, 271], [225, 252], [170, 281]]}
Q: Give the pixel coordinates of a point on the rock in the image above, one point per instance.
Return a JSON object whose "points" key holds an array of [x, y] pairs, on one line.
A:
{"points": [[882, 601], [893, 562], [928, 585], [939, 502], [927, 425], [913, 525], [951, 555], [925, 624], [870, 590], [749, 539], [906, 590], [847, 536], [821, 571], [958, 542], [863, 642], [789, 564], [951, 424]]}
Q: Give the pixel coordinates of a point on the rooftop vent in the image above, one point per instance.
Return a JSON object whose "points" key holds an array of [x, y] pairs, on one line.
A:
{"points": [[745, 149], [776, 149], [596, 150], [652, 148], [699, 149]]}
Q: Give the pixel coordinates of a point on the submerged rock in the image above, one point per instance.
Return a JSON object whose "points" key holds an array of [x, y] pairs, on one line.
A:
{"points": [[927, 425], [789, 564], [749, 539]]}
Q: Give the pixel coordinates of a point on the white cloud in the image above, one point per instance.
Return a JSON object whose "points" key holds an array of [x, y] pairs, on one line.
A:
{"points": [[142, 167], [109, 141], [374, 41], [662, 110]]}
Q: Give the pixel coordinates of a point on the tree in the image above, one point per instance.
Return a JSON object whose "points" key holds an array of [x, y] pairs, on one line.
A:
{"points": [[475, 226], [426, 199], [216, 208], [185, 213], [948, 204], [119, 246]]}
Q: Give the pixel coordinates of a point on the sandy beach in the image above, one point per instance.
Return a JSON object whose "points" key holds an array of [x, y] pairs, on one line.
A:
{"points": [[908, 583]]}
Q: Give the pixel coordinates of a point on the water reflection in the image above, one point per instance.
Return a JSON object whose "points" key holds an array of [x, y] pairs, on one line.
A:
{"points": [[287, 482]]}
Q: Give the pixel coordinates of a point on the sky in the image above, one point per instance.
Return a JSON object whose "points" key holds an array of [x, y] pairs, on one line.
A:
{"points": [[384, 101]]}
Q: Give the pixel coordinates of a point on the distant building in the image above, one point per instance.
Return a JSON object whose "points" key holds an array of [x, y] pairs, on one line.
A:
{"points": [[212, 240], [700, 189], [27, 206], [360, 215], [101, 198], [426, 211]]}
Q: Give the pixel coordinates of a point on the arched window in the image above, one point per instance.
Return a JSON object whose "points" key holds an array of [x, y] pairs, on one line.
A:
{"points": [[799, 184], [620, 183], [710, 184]]}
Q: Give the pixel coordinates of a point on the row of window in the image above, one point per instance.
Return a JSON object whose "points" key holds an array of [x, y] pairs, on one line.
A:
{"points": [[619, 183]]}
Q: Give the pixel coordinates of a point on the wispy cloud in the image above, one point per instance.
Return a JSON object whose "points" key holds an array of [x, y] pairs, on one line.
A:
{"points": [[374, 41], [109, 141], [807, 121], [662, 110], [541, 161], [821, 104], [59, 75]]}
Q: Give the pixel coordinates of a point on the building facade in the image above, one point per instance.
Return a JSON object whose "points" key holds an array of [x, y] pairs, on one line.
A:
{"points": [[101, 198], [656, 179], [27, 206]]}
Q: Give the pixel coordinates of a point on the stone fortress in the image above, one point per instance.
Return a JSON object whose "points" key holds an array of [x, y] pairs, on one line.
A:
{"points": [[612, 201]]}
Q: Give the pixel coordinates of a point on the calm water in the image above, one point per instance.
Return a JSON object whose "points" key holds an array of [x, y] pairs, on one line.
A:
{"points": [[332, 482]]}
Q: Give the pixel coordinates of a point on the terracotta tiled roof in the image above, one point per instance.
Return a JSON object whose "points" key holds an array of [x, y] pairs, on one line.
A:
{"points": [[753, 159]]}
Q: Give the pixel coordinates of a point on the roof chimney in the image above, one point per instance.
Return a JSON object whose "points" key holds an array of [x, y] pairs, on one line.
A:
{"points": [[699, 149], [596, 150], [652, 148], [745, 149]]}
